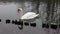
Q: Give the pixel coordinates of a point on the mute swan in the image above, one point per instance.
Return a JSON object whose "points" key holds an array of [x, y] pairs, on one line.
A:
{"points": [[28, 15]]}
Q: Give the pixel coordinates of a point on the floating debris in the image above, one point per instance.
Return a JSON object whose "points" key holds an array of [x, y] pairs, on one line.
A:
{"points": [[0, 20], [44, 25], [7, 21], [17, 22], [33, 24], [59, 25], [53, 26], [26, 24], [13, 21]]}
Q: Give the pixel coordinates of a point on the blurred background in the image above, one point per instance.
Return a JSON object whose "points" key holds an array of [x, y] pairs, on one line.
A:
{"points": [[49, 11]]}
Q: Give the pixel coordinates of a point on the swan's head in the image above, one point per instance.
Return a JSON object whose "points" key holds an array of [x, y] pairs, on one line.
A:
{"points": [[19, 9]]}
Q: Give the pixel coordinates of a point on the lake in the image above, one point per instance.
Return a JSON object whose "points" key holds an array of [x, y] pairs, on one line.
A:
{"points": [[8, 10]]}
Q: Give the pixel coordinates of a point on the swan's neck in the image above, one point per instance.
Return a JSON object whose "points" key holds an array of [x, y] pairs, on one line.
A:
{"points": [[20, 14]]}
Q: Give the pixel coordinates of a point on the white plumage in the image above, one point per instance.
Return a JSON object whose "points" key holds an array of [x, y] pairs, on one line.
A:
{"points": [[28, 15]]}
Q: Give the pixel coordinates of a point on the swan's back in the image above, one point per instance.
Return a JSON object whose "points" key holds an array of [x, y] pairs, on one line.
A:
{"points": [[29, 15]]}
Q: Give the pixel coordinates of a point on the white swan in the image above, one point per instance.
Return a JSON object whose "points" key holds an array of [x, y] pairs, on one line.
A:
{"points": [[28, 15]]}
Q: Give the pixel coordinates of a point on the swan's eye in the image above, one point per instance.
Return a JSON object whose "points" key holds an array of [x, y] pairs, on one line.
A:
{"points": [[19, 10]]}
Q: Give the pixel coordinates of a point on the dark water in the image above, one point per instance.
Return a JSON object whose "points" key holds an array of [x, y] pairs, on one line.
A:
{"points": [[8, 10]]}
